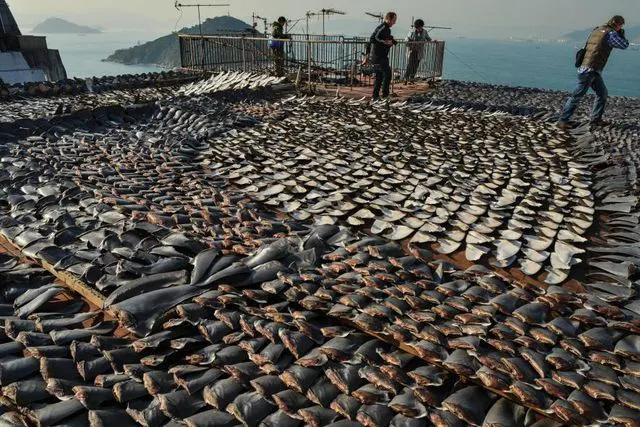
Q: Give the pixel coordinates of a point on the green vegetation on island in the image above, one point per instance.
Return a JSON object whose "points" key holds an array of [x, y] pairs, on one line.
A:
{"points": [[165, 51]]}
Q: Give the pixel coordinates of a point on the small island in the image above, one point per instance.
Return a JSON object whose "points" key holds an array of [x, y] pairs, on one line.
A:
{"points": [[165, 51], [61, 26]]}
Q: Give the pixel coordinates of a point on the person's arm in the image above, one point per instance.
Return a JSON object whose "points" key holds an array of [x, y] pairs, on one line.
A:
{"points": [[379, 34], [382, 35], [617, 40], [412, 41]]}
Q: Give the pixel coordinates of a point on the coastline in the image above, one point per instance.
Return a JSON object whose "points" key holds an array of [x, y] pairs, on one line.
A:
{"points": [[139, 64], [497, 62]]}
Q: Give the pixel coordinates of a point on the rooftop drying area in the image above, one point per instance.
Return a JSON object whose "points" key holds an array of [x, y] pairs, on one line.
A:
{"points": [[220, 252]]}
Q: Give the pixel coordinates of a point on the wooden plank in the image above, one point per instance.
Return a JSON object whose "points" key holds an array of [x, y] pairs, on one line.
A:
{"points": [[76, 285], [93, 298], [89, 294]]}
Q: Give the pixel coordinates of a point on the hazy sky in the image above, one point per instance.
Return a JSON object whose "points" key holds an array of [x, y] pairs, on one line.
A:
{"points": [[494, 18]]}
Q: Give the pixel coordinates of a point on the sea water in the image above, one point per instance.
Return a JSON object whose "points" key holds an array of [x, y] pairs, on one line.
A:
{"points": [[82, 54], [546, 65]]}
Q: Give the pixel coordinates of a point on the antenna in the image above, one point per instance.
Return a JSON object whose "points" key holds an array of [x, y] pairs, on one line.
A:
{"points": [[433, 27], [329, 12], [294, 22], [428, 28], [255, 21], [309, 14], [378, 16], [179, 5], [324, 13]]}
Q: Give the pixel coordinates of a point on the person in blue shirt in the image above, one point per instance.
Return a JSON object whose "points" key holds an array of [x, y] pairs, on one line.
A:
{"points": [[599, 46]]}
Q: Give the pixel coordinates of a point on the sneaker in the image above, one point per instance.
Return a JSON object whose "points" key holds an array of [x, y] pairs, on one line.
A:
{"points": [[599, 123], [563, 125]]}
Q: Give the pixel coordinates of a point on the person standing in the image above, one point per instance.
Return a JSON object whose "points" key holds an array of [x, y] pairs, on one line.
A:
{"points": [[277, 44], [415, 47], [601, 42], [379, 46]]}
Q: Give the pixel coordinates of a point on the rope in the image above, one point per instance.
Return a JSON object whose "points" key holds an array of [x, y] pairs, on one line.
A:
{"points": [[482, 76], [175, 27]]}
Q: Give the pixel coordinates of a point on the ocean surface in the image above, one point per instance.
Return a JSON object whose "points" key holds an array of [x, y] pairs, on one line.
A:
{"points": [[544, 65], [82, 54]]}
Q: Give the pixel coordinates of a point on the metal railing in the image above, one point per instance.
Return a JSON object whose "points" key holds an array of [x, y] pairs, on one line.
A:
{"points": [[323, 59]]}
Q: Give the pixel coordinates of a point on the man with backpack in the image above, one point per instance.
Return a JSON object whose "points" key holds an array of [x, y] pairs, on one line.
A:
{"points": [[601, 42], [379, 46]]}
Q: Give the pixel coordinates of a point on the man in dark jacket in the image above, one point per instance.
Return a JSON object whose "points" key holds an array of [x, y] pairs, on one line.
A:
{"points": [[277, 44], [379, 45], [599, 46]]}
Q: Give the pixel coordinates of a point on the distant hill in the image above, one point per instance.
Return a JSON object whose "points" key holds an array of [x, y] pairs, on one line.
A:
{"points": [[58, 25], [165, 51], [632, 33]]}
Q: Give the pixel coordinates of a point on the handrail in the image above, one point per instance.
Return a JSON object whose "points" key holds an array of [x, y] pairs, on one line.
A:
{"points": [[314, 41], [327, 59]]}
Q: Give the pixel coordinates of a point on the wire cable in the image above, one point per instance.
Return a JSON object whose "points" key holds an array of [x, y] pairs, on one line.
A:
{"points": [[175, 27], [482, 76]]}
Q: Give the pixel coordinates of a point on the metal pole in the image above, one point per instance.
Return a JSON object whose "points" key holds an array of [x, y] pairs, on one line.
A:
{"points": [[308, 53], [201, 36], [244, 60], [180, 5], [353, 64], [393, 60]]}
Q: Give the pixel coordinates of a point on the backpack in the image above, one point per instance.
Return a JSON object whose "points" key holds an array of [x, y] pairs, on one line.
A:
{"points": [[582, 52]]}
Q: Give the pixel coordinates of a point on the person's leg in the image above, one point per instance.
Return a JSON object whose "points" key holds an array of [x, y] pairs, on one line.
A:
{"points": [[279, 60], [584, 82], [601, 98], [411, 66], [415, 67], [282, 70], [407, 72], [386, 83], [274, 52], [377, 84]]}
